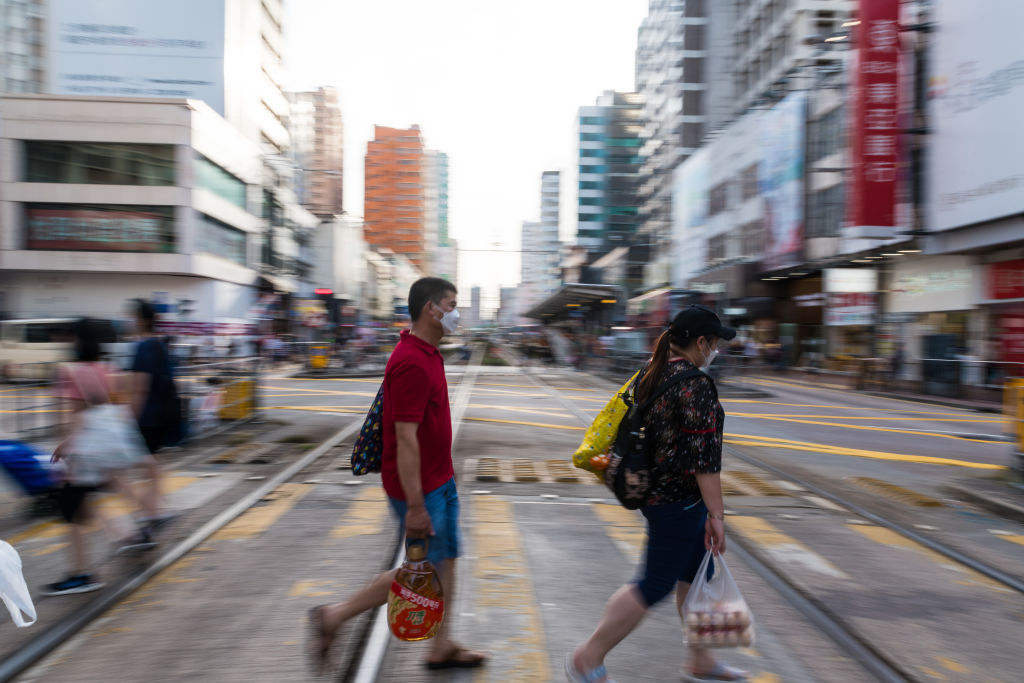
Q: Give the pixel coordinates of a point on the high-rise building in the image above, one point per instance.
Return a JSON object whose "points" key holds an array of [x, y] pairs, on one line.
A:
{"points": [[682, 63], [609, 166], [22, 46], [394, 197], [317, 145], [769, 43], [541, 245], [435, 214]]}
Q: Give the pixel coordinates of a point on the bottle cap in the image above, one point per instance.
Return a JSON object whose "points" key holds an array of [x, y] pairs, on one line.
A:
{"points": [[415, 551]]}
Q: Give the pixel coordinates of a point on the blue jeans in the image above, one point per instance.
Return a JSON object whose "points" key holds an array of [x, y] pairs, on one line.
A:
{"points": [[675, 548], [443, 507]]}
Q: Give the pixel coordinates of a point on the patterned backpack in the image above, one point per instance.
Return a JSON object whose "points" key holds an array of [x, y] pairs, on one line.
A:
{"points": [[369, 446]]}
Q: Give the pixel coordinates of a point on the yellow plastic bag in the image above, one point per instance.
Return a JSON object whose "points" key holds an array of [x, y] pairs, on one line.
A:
{"points": [[600, 436]]}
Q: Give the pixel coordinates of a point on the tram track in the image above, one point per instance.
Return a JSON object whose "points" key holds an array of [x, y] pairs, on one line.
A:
{"points": [[872, 656]]}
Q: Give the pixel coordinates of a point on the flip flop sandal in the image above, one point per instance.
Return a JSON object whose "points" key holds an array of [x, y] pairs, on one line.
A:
{"points": [[319, 646], [591, 676], [453, 661], [720, 673]]}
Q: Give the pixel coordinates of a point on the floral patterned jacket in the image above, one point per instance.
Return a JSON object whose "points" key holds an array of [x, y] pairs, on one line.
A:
{"points": [[686, 423]]}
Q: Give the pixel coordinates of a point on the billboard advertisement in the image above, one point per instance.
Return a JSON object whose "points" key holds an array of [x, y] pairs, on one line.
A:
{"points": [[781, 180], [875, 134], [976, 94], [137, 48], [98, 228]]}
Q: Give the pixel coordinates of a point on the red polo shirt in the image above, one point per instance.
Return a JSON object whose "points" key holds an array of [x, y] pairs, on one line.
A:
{"points": [[416, 390]]}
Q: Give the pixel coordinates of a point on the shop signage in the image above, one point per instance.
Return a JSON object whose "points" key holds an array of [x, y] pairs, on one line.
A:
{"points": [[875, 134], [95, 230], [850, 308], [1006, 280], [851, 280], [935, 283]]}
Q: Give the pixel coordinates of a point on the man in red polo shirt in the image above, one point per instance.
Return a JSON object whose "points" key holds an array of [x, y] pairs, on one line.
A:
{"points": [[416, 468]]}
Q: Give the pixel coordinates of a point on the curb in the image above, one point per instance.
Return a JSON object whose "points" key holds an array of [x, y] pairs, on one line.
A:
{"points": [[994, 504], [983, 408]]}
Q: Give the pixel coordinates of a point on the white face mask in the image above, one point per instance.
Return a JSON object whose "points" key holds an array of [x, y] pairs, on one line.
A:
{"points": [[449, 320], [709, 359]]}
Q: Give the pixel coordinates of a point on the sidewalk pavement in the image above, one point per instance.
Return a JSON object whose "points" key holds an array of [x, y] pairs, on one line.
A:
{"points": [[980, 405], [1000, 496]]}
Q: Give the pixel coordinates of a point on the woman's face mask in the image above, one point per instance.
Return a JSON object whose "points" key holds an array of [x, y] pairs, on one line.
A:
{"points": [[710, 353]]}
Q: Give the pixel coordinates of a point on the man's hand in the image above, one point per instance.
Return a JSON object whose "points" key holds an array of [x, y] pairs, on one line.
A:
{"points": [[417, 522], [714, 535]]}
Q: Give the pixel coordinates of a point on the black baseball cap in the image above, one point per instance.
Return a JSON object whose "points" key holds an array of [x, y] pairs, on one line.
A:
{"points": [[699, 321]]}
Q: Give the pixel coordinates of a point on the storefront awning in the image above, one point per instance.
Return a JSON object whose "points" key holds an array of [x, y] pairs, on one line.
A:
{"points": [[572, 297]]}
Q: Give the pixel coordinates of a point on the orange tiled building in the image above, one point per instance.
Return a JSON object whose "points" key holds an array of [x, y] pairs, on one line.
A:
{"points": [[394, 196]]}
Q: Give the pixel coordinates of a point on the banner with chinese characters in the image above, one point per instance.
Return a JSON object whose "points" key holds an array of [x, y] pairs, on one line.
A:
{"points": [[850, 308], [875, 116]]}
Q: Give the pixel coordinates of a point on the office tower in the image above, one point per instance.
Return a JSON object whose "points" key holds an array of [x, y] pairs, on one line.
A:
{"points": [[393, 207], [317, 145]]}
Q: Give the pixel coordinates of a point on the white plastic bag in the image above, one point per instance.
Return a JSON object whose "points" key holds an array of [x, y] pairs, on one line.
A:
{"points": [[107, 439], [715, 613], [13, 591]]}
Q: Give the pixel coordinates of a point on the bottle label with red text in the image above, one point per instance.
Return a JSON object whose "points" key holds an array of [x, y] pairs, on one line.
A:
{"points": [[412, 616]]}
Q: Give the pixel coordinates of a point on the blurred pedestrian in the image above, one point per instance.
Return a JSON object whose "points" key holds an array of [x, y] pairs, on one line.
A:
{"points": [[98, 445], [417, 471], [155, 403], [685, 509]]}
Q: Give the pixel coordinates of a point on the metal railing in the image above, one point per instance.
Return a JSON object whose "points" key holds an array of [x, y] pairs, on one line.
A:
{"points": [[213, 395]]}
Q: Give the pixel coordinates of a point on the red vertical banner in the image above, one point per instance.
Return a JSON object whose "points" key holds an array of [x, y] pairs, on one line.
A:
{"points": [[875, 115]]}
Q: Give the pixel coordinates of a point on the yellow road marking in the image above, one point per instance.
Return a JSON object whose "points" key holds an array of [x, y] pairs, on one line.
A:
{"points": [[321, 409], [951, 665], [309, 589], [873, 429], [772, 442], [625, 527], [783, 548], [526, 386], [47, 549], [256, 520], [36, 532], [890, 538], [29, 412], [485, 406], [821, 407], [324, 392], [765, 677], [826, 387], [505, 595], [869, 417], [932, 672], [527, 424], [364, 380], [1014, 538], [365, 516]]}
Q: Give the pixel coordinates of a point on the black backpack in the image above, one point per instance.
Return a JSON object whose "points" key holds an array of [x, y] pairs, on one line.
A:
{"points": [[628, 474]]}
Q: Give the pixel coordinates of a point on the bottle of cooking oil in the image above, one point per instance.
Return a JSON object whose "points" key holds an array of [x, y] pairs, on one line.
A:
{"points": [[416, 599]]}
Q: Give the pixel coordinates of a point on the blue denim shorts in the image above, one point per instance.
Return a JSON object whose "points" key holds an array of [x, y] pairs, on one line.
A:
{"points": [[443, 507], [675, 548]]}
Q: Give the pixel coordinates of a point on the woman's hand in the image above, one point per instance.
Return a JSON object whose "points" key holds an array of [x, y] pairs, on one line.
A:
{"points": [[714, 535]]}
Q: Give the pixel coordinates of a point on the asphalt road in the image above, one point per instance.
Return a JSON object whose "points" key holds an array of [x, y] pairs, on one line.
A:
{"points": [[545, 546]]}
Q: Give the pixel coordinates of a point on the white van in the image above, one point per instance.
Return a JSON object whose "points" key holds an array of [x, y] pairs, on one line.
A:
{"points": [[31, 349]]}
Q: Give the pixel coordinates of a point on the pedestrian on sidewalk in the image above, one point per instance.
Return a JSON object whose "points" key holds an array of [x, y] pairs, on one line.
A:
{"points": [[89, 452], [155, 403], [684, 509], [416, 470]]}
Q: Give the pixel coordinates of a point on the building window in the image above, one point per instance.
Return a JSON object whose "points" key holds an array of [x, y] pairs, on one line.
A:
{"points": [[591, 201], [99, 227], [210, 176], [99, 163], [748, 182], [825, 212], [718, 198], [753, 239], [220, 239]]}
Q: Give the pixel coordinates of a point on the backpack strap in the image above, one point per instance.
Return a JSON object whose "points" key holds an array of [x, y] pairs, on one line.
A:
{"points": [[665, 386]]}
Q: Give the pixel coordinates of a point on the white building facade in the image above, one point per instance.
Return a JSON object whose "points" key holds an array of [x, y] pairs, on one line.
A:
{"points": [[97, 208]]}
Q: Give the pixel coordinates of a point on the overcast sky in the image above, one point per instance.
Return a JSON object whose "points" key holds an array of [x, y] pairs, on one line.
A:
{"points": [[496, 85]]}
